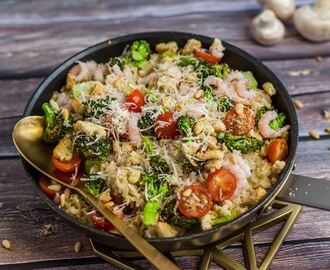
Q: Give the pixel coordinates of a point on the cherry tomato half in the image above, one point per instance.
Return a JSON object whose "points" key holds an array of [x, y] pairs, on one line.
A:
{"points": [[239, 124], [221, 184], [135, 101], [44, 182], [68, 177], [277, 150], [101, 223], [207, 57], [67, 166], [166, 126], [195, 201]]}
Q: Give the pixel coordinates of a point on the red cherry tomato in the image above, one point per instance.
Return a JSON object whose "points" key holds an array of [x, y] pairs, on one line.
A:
{"points": [[101, 223], [277, 150], [68, 177], [239, 124], [221, 184], [135, 101], [67, 166], [166, 126], [207, 57], [44, 182], [195, 201]]}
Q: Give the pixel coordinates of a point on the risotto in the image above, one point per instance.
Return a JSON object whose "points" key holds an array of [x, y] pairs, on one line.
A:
{"points": [[170, 140]]}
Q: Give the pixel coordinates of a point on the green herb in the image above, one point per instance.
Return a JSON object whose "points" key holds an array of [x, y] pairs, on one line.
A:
{"points": [[159, 164], [224, 103], [243, 144], [278, 122], [187, 167], [151, 96]]}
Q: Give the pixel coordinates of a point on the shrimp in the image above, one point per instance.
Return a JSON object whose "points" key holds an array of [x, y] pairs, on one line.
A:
{"points": [[133, 130], [150, 78], [227, 89], [240, 169], [100, 72], [83, 71], [265, 130], [216, 49], [240, 83]]}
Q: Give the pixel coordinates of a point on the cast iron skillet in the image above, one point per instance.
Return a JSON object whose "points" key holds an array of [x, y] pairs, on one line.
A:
{"points": [[236, 58]]}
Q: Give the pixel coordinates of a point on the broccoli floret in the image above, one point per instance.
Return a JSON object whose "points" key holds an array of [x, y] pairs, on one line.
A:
{"points": [[252, 80], [188, 61], [220, 70], [97, 107], [139, 52], [185, 124], [83, 88], [241, 143], [151, 96], [56, 125], [224, 103], [261, 111], [156, 190], [148, 145], [89, 163], [208, 93], [146, 123], [278, 122], [95, 185], [120, 61], [177, 219], [93, 148], [158, 164], [187, 167]]}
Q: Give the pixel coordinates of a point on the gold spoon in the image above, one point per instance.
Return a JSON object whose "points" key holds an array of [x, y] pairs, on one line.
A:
{"points": [[26, 136]]}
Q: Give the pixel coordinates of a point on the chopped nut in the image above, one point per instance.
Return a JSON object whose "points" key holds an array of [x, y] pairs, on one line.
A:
{"points": [[314, 134], [327, 130], [105, 197], [269, 88], [62, 200], [187, 192], [6, 244], [77, 246], [199, 94], [298, 104], [327, 114], [239, 108], [299, 73], [48, 229], [109, 204], [55, 187]]}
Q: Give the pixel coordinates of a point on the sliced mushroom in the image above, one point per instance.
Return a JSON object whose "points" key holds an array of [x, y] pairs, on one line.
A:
{"points": [[283, 9], [313, 22], [267, 29]]}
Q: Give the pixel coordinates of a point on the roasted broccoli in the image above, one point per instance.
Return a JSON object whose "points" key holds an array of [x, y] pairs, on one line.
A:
{"points": [[156, 190], [278, 122], [96, 185], [146, 123], [241, 143], [177, 219], [89, 163], [187, 167], [57, 125], [151, 97], [252, 80], [260, 112], [224, 103], [139, 53], [93, 148], [159, 164], [185, 124], [148, 145], [220, 70], [98, 107]]}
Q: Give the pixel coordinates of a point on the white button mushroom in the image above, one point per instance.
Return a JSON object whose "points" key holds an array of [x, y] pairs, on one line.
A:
{"points": [[267, 29], [313, 23], [283, 9]]}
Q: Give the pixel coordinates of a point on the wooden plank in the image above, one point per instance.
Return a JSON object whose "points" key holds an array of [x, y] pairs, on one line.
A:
{"points": [[31, 50], [18, 92], [36, 11]]}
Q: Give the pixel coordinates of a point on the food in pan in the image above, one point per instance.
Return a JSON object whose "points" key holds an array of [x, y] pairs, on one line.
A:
{"points": [[169, 140]]}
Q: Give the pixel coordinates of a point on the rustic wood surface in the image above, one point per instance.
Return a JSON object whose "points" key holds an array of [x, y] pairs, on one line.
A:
{"points": [[36, 36]]}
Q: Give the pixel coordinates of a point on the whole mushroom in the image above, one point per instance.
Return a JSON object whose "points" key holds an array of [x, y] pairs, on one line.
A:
{"points": [[313, 22], [283, 9], [267, 29]]}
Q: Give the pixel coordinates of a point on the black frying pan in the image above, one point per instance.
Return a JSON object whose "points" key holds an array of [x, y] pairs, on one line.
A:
{"points": [[236, 58]]}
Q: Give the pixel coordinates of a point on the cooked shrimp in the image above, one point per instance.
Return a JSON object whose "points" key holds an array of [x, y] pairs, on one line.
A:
{"points": [[265, 130], [240, 170], [228, 90], [133, 130], [83, 71], [150, 78], [100, 72], [217, 48], [240, 83]]}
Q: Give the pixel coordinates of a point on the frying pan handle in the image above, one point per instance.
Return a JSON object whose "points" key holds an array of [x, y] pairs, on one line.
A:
{"points": [[307, 191]]}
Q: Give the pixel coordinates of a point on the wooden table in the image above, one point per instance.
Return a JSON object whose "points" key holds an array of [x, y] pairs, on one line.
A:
{"points": [[36, 36]]}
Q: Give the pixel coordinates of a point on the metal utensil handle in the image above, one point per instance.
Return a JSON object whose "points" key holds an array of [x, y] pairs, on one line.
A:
{"points": [[307, 191]]}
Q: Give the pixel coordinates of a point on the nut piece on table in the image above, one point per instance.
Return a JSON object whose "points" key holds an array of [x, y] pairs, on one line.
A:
{"points": [[267, 29], [313, 22], [283, 9]]}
